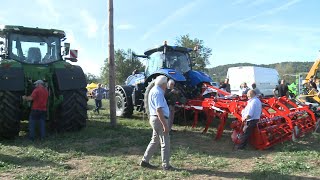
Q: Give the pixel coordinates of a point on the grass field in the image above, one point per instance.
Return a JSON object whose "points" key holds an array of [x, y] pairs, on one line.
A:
{"points": [[102, 152]]}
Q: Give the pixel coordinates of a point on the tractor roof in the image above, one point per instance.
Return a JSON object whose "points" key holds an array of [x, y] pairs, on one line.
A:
{"points": [[169, 48], [31, 31]]}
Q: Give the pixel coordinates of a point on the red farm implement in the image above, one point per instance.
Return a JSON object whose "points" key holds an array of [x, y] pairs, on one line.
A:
{"points": [[281, 119]]}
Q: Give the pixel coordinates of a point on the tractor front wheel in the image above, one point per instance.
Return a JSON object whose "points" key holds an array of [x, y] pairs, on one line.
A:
{"points": [[124, 107], [10, 113]]}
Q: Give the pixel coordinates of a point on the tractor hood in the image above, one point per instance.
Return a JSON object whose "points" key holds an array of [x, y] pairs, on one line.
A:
{"points": [[196, 77], [171, 73], [135, 79]]}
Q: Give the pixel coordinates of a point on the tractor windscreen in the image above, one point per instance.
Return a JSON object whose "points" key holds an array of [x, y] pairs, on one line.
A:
{"points": [[178, 60], [34, 49]]}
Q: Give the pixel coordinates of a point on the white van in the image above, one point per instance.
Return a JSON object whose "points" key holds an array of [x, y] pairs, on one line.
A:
{"points": [[266, 79]]}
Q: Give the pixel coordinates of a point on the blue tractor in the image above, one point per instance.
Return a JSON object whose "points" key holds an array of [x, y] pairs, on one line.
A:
{"points": [[172, 61]]}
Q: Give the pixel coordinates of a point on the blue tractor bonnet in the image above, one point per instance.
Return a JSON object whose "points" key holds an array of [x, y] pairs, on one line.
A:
{"points": [[135, 79], [172, 74], [196, 77]]}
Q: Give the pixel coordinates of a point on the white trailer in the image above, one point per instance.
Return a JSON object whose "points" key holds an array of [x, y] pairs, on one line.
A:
{"points": [[266, 79]]}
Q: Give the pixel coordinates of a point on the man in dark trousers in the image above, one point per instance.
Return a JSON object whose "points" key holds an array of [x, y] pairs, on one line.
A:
{"points": [[226, 81], [39, 98], [313, 84], [282, 89], [98, 95], [250, 117]]}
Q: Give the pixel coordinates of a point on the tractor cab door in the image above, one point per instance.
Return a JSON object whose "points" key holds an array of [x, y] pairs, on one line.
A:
{"points": [[154, 63]]}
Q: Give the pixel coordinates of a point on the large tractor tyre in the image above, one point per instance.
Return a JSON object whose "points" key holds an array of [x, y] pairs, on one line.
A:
{"points": [[72, 112], [124, 106], [146, 96], [10, 113]]}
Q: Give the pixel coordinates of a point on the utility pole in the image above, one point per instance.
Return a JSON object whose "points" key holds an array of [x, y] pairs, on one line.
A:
{"points": [[113, 118]]}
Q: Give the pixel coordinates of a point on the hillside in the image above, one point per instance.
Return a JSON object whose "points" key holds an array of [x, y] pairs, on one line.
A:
{"points": [[220, 72]]}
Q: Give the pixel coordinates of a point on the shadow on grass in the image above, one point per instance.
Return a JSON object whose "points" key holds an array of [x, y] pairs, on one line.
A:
{"points": [[131, 137], [98, 138]]}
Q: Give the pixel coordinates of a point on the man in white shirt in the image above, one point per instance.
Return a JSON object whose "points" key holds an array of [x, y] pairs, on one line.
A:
{"points": [[158, 118], [250, 116]]}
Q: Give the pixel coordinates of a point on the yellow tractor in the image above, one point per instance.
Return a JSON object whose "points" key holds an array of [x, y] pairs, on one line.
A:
{"points": [[310, 93]]}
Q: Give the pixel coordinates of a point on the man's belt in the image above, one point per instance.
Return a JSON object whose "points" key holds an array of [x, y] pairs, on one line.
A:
{"points": [[164, 116], [252, 120]]}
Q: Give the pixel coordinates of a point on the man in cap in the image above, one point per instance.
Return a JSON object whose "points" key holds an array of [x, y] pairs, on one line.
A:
{"points": [[39, 98]]}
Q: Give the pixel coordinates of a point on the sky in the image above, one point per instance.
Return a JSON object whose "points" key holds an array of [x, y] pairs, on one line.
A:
{"points": [[252, 31]]}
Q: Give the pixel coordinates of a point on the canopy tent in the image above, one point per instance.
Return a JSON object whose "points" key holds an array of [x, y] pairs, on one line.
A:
{"points": [[92, 86]]}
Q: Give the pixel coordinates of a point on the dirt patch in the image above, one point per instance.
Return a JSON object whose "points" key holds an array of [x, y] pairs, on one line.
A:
{"points": [[78, 167]]}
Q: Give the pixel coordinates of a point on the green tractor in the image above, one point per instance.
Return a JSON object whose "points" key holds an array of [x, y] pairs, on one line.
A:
{"points": [[29, 54]]}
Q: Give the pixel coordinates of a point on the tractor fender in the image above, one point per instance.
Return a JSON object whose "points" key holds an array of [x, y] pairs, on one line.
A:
{"points": [[196, 77], [70, 78], [11, 79]]}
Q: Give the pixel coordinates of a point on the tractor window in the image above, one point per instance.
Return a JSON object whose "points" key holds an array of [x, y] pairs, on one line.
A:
{"points": [[34, 49], [178, 61], [154, 63]]}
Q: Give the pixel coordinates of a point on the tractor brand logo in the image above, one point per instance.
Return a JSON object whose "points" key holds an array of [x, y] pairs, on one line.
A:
{"points": [[73, 53]]}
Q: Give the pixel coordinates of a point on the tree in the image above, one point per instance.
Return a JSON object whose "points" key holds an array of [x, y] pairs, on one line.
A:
{"points": [[201, 58], [125, 65], [92, 78]]}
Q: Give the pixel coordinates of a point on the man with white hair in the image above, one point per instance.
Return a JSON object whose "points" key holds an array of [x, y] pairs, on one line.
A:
{"points": [[171, 96], [158, 118], [38, 112]]}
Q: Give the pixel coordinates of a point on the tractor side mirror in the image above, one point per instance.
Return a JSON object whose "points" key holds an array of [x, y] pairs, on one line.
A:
{"points": [[73, 55], [66, 48]]}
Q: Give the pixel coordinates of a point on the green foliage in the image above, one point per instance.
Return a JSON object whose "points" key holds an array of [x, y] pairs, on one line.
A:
{"points": [[201, 58], [92, 78], [125, 64]]}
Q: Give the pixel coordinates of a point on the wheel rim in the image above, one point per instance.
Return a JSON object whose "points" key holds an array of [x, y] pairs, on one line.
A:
{"points": [[119, 104]]}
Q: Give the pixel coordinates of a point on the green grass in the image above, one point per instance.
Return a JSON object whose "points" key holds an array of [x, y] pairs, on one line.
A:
{"points": [[102, 152]]}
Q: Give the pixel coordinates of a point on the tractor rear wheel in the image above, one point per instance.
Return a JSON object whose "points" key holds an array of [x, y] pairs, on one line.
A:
{"points": [[10, 113], [124, 107], [146, 96], [72, 112]]}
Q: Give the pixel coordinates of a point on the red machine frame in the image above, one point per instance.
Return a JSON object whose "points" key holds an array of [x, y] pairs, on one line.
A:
{"points": [[281, 119]]}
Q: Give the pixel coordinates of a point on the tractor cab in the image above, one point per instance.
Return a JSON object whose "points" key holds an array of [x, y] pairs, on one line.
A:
{"points": [[32, 45], [168, 57]]}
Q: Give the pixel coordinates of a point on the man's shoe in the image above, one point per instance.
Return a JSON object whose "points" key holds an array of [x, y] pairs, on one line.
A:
{"points": [[169, 168], [147, 165]]}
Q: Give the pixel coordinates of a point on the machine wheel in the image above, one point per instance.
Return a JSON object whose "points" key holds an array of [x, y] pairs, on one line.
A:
{"points": [[10, 114], [72, 112], [124, 106]]}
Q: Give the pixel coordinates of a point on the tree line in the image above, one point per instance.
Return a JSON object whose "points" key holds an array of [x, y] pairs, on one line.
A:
{"points": [[126, 63]]}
